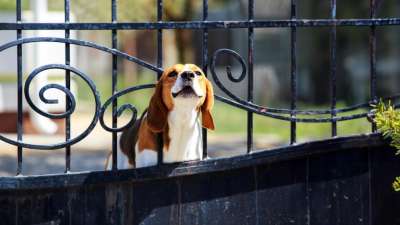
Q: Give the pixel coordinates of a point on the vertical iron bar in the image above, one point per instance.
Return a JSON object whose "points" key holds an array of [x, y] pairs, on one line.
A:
{"points": [[372, 48], [373, 97], [293, 73], [68, 86], [250, 77], [20, 126], [159, 37], [332, 83], [159, 65], [204, 66], [114, 85]]}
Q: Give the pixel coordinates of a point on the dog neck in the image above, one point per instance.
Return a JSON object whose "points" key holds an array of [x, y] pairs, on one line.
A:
{"points": [[184, 132]]}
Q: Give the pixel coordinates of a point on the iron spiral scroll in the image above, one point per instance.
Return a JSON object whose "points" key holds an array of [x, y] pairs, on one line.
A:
{"points": [[100, 109], [281, 113]]}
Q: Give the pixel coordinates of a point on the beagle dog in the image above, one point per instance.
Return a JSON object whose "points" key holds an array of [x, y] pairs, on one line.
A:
{"points": [[182, 96]]}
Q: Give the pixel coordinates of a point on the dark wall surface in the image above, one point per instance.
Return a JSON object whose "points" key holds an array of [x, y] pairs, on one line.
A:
{"points": [[340, 181]]}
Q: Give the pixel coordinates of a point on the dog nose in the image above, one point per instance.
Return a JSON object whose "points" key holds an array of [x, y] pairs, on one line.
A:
{"points": [[187, 75]]}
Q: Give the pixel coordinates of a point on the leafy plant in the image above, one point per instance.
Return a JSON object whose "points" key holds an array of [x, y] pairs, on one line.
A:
{"points": [[396, 184], [387, 120]]}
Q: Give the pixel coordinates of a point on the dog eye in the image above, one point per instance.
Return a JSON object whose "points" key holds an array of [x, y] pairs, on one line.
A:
{"points": [[173, 74], [198, 73]]}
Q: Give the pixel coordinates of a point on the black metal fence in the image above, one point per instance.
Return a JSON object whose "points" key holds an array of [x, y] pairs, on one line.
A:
{"points": [[292, 114]]}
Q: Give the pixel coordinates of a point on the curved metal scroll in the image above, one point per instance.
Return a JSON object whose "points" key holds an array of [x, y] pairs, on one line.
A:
{"points": [[122, 108], [99, 109], [69, 96], [81, 43], [275, 112]]}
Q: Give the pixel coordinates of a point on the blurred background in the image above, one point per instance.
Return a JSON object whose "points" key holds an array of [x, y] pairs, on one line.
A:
{"points": [[271, 71]]}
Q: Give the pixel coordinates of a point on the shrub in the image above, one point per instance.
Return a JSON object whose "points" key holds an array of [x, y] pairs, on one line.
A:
{"points": [[387, 120]]}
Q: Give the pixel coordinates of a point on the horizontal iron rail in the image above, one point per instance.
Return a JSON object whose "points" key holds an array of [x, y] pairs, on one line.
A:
{"points": [[202, 24], [74, 179]]}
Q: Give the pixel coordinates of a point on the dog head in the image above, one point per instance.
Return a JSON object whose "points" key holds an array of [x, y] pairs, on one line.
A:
{"points": [[181, 82]]}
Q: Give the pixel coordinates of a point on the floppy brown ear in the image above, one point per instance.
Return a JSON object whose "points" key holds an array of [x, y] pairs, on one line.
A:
{"points": [[157, 111], [207, 120]]}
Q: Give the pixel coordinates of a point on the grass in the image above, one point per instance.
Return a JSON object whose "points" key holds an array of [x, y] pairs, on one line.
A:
{"points": [[231, 120]]}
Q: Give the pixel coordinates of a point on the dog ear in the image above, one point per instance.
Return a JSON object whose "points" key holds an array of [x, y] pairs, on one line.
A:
{"points": [[157, 111], [207, 119]]}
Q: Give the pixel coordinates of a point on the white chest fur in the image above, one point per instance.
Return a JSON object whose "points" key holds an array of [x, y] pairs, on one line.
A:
{"points": [[184, 132], [185, 136]]}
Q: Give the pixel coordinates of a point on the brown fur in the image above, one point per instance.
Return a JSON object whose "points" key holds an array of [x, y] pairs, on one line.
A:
{"points": [[129, 138], [148, 138], [157, 113], [207, 120]]}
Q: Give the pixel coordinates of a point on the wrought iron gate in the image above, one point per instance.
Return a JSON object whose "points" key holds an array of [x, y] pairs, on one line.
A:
{"points": [[116, 192], [291, 114]]}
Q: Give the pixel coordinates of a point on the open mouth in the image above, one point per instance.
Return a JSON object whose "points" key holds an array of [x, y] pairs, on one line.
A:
{"points": [[186, 92]]}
